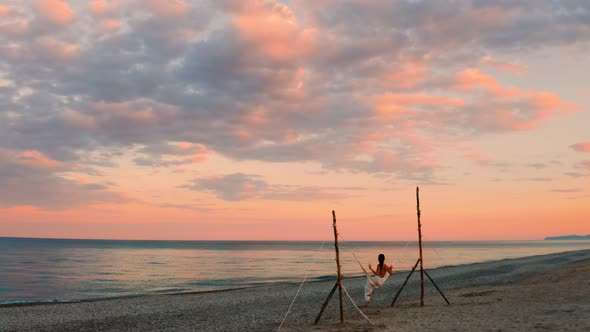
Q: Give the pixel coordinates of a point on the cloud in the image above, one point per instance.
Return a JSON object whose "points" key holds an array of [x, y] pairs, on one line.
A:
{"points": [[503, 65], [103, 7], [55, 11], [169, 8], [31, 178], [375, 87], [537, 165], [581, 147], [584, 164], [540, 179], [239, 186], [567, 190]]}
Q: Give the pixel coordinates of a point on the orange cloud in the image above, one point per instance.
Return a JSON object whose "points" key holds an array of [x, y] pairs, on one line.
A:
{"points": [[169, 8], [102, 7], [56, 11], [274, 29], [199, 159], [581, 147], [3, 10]]}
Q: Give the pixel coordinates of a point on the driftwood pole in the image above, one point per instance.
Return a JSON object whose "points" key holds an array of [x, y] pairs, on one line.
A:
{"points": [[420, 261], [317, 319], [420, 245], [338, 266], [404, 284]]}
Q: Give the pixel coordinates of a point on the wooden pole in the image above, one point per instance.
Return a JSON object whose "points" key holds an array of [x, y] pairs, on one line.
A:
{"points": [[317, 319], [404, 284], [420, 245], [438, 289], [338, 266]]}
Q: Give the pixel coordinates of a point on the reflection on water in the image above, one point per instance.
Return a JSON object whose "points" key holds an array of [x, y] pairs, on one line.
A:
{"points": [[43, 269]]}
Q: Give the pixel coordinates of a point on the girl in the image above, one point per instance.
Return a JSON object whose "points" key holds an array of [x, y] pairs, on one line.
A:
{"points": [[378, 278]]}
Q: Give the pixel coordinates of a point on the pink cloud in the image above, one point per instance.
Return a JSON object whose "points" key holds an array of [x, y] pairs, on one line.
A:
{"points": [[3, 10], [199, 159], [110, 24], [36, 159], [169, 8], [581, 147], [184, 148], [273, 28], [508, 107], [504, 65], [127, 111], [103, 7], [55, 11], [476, 155], [520, 113], [390, 106], [18, 28], [469, 79], [79, 120], [57, 49], [406, 76]]}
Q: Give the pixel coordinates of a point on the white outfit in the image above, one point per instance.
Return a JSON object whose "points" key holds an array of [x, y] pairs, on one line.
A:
{"points": [[375, 282]]}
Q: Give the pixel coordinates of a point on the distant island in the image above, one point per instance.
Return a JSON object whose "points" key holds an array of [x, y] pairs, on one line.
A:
{"points": [[569, 237]]}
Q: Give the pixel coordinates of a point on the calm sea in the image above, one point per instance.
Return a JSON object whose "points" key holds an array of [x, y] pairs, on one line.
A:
{"points": [[66, 270]]}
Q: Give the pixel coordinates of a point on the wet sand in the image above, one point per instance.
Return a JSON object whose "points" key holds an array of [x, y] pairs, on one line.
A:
{"points": [[549, 292]]}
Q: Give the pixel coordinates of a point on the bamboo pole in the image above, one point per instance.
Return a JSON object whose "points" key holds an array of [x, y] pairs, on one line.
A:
{"points": [[338, 266], [420, 245], [404, 284]]}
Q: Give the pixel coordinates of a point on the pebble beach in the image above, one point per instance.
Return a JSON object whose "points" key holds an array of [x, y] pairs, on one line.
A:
{"points": [[548, 292]]}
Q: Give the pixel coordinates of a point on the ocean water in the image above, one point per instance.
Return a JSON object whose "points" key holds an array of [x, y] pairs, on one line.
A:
{"points": [[35, 270]]}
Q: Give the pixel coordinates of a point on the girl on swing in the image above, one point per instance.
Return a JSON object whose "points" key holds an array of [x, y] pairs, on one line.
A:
{"points": [[378, 278]]}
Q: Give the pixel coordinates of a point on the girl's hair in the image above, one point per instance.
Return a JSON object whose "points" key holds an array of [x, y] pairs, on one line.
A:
{"points": [[381, 260]]}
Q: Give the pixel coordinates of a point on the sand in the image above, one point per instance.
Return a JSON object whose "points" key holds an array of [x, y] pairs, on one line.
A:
{"points": [[549, 292]]}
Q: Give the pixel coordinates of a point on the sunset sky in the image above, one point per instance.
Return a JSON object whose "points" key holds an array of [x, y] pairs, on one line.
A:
{"points": [[243, 119]]}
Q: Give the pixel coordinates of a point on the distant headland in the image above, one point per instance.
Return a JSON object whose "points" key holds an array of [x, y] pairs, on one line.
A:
{"points": [[569, 237]]}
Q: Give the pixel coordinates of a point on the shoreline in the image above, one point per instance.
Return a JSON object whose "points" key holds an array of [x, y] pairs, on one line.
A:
{"points": [[263, 307], [320, 279]]}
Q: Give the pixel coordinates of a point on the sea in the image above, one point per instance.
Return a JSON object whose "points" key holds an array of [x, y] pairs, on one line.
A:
{"points": [[64, 270]]}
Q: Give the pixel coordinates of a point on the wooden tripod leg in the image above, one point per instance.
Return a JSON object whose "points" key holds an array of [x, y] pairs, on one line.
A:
{"points": [[317, 319], [438, 289], [405, 282]]}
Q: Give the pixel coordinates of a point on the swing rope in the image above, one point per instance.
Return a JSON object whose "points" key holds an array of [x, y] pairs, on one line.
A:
{"points": [[297, 293]]}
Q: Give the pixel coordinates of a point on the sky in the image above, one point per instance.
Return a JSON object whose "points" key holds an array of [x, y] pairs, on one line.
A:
{"points": [[254, 119]]}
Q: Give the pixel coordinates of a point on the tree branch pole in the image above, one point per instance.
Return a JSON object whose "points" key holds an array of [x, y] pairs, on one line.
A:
{"points": [[438, 289], [339, 267], [420, 245], [404, 284], [317, 319]]}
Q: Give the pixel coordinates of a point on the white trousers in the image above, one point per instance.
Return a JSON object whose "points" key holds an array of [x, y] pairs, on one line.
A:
{"points": [[377, 282]]}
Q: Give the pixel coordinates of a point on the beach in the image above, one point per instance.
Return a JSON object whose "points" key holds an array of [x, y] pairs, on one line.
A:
{"points": [[548, 292]]}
